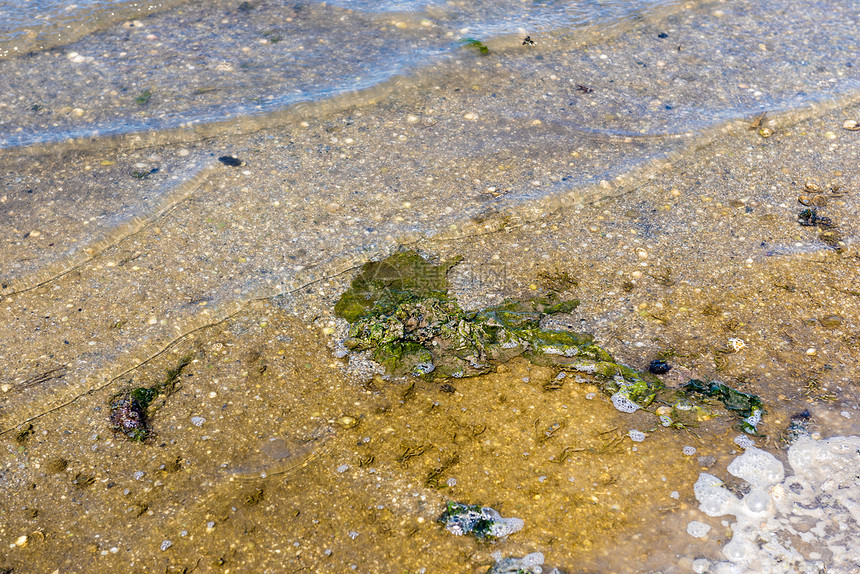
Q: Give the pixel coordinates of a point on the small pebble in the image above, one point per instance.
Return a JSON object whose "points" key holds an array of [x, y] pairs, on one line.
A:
{"points": [[197, 421], [851, 125], [342, 468], [659, 367], [230, 160], [689, 450], [165, 545]]}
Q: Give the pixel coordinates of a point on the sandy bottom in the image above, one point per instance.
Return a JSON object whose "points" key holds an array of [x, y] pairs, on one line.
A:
{"points": [[272, 456]]}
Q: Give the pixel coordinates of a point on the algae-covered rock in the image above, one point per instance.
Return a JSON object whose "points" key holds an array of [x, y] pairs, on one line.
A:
{"points": [[482, 522], [129, 410], [400, 310], [383, 285]]}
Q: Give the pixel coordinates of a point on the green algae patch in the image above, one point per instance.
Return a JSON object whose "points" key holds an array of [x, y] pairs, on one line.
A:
{"points": [[749, 407], [399, 310], [481, 48], [383, 285], [401, 313]]}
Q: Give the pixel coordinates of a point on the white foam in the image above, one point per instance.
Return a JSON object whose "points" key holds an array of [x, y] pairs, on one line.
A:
{"points": [[818, 507], [636, 436], [624, 404], [757, 467], [698, 529]]}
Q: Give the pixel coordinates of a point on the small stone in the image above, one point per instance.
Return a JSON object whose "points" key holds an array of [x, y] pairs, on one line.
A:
{"points": [[347, 422], [231, 161], [22, 541], [830, 321], [659, 367], [736, 344], [851, 125], [197, 421], [165, 545], [689, 450], [744, 441]]}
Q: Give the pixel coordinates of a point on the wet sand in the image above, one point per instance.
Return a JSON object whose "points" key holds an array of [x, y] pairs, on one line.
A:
{"points": [[680, 229]]}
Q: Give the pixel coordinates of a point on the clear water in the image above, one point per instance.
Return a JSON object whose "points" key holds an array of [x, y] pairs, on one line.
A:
{"points": [[626, 147]]}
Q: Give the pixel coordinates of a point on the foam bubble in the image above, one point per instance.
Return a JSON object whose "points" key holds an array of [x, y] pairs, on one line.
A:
{"points": [[624, 404], [698, 529], [636, 436], [714, 500], [759, 468], [806, 523], [744, 441]]}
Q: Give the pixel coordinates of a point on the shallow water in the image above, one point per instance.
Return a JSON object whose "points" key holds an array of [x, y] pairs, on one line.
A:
{"points": [[626, 147]]}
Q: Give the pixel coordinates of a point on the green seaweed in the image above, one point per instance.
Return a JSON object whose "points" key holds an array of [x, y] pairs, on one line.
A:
{"points": [[749, 407], [143, 98], [129, 410], [476, 44], [399, 310], [383, 285]]}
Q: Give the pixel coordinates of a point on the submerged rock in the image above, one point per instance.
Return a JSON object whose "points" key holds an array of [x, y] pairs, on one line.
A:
{"points": [[528, 564], [129, 410], [400, 312], [482, 522], [129, 417]]}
